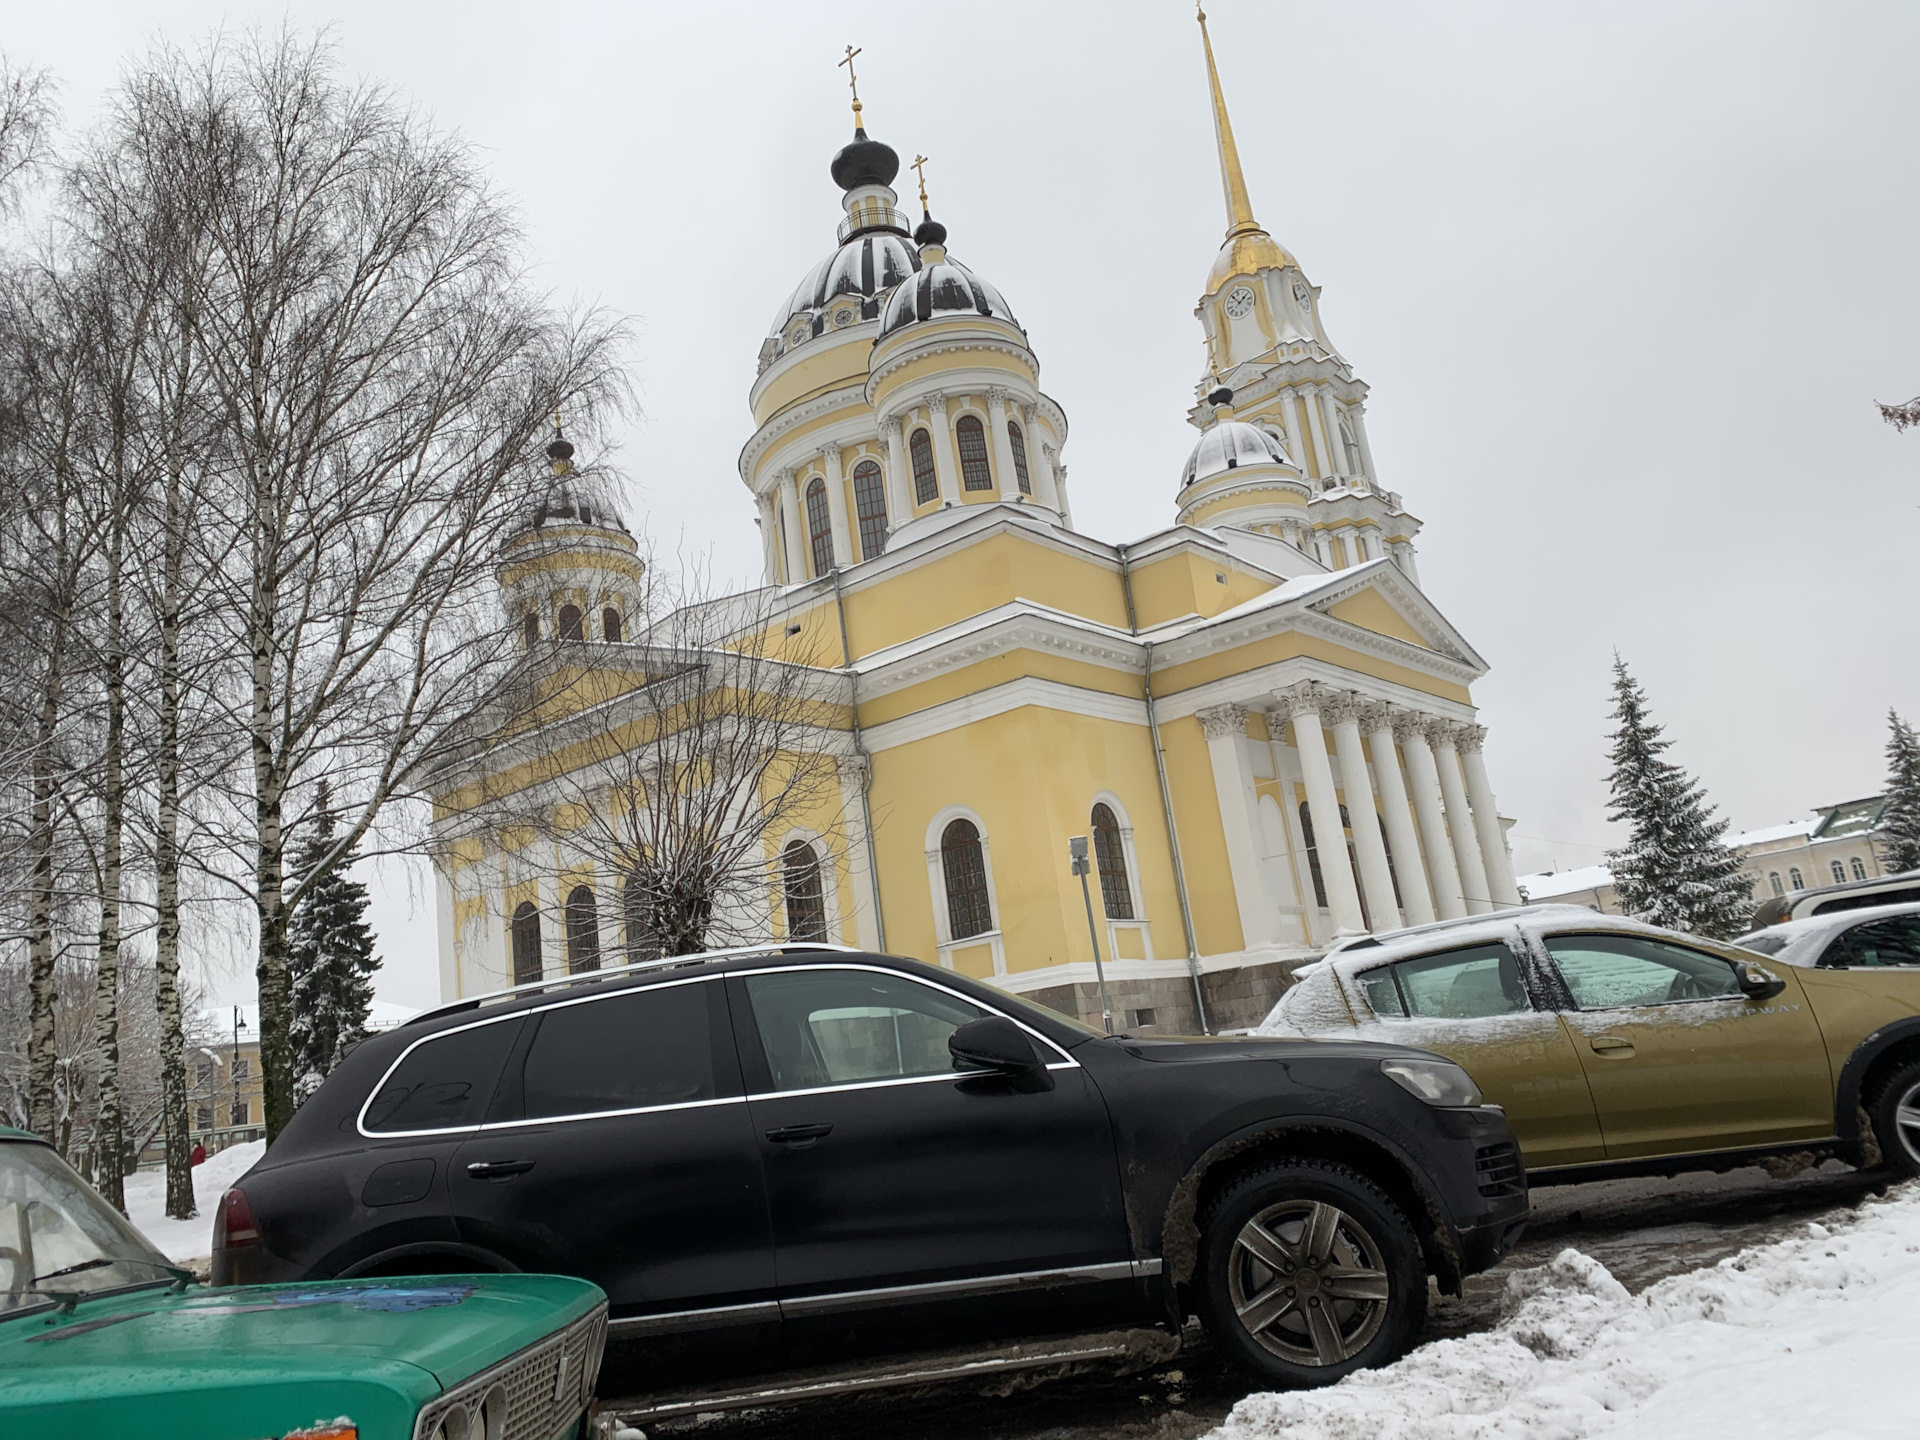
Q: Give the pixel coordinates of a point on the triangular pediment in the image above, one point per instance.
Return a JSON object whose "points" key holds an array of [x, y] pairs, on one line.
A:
{"points": [[1377, 597]]}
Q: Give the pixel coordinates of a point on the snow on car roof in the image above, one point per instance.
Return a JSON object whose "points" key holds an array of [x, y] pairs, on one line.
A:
{"points": [[1805, 939], [1363, 953]]}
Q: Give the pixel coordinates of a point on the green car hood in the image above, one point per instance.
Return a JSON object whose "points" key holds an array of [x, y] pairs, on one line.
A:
{"points": [[251, 1362]]}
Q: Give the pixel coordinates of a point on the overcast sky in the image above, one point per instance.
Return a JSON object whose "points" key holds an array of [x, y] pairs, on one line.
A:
{"points": [[1625, 280]]}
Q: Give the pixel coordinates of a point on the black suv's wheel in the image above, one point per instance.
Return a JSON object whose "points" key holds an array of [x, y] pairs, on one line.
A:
{"points": [[1894, 1112], [1308, 1272]]}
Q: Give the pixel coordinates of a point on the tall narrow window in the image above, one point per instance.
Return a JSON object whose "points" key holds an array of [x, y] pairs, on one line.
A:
{"points": [[572, 624], [611, 627], [1839, 873], [1793, 878], [583, 931], [1017, 439], [530, 629], [1859, 869], [971, 436], [1350, 444], [1313, 857], [964, 865], [526, 943], [819, 526], [800, 884], [870, 503], [1773, 883], [1111, 855], [926, 484]]}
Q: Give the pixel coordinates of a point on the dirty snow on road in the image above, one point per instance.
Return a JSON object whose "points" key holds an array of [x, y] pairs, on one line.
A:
{"points": [[188, 1239], [1806, 1338]]}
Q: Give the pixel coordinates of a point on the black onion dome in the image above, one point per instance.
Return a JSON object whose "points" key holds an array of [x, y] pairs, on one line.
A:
{"points": [[560, 450], [945, 287], [864, 162], [575, 500], [929, 232], [863, 269]]}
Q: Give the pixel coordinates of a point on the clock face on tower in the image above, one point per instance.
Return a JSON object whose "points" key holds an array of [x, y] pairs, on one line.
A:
{"points": [[1240, 303]]}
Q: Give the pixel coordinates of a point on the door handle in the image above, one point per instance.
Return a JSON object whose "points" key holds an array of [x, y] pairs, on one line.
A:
{"points": [[1611, 1046], [498, 1169], [799, 1136]]}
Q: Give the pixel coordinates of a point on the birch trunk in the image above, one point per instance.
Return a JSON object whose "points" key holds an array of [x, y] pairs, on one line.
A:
{"points": [[41, 1058], [107, 1126], [166, 868]]}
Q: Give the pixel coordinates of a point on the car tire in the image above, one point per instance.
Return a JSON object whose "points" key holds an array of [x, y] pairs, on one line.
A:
{"points": [[1899, 1139], [1284, 1313]]}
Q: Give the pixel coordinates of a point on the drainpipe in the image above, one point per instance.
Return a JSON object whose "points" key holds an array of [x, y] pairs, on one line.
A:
{"points": [[1166, 804], [866, 764]]}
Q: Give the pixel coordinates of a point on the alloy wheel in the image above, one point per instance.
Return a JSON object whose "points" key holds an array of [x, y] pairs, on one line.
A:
{"points": [[1308, 1282], [1906, 1122]]}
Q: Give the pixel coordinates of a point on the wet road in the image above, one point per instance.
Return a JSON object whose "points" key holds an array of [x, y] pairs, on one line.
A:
{"points": [[1641, 1230]]}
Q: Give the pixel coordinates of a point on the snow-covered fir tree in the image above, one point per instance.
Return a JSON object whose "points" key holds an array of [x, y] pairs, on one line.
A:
{"points": [[1675, 869], [1900, 821], [331, 960]]}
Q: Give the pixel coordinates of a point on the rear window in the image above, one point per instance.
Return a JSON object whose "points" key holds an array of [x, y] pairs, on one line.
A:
{"points": [[630, 1051], [1866, 901], [444, 1083], [1468, 984]]}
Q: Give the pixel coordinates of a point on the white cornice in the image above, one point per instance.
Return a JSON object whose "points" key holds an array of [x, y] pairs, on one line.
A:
{"points": [[1027, 691]]}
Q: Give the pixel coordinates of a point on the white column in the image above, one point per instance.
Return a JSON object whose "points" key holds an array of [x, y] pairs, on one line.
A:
{"points": [[1296, 432], [1331, 409], [796, 531], [1002, 445], [1359, 415], [866, 931], [1486, 817], [769, 523], [1466, 848], [1226, 732], [1329, 835], [1317, 423], [1424, 777], [1059, 473], [1039, 457], [837, 507], [1397, 817], [946, 465], [899, 494], [1376, 879]]}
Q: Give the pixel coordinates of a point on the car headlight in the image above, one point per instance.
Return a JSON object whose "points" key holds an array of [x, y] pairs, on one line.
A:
{"points": [[1438, 1082]]}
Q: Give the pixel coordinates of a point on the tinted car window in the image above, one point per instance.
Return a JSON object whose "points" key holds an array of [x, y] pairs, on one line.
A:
{"points": [[623, 1052], [1893, 941], [446, 1082], [1609, 972], [839, 1027]]}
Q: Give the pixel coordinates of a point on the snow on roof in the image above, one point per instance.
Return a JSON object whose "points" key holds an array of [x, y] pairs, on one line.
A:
{"points": [[1766, 835], [1549, 883]]}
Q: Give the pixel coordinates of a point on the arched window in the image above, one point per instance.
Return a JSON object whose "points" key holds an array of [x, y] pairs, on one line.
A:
{"points": [[964, 865], [800, 884], [530, 629], [583, 931], [819, 526], [1859, 869], [975, 472], [1793, 878], [1839, 872], [1351, 444], [573, 625], [1773, 881], [526, 943], [1313, 857], [610, 626], [926, 484], [870, 504], [636, 907], [1018, 440], [1111, 855]]}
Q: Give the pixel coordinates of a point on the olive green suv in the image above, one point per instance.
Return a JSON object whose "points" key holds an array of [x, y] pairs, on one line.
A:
{"points": [[1620, 1048]]}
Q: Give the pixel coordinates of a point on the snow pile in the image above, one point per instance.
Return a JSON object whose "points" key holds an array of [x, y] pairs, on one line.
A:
{"points": [[1807, 1337], [188, 1239]]}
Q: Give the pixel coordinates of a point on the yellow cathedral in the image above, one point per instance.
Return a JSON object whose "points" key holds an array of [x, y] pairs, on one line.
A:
{"points": [[1210, 704]]}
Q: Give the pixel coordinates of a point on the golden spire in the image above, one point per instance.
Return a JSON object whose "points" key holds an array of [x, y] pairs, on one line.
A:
{"points": [[1240, 219], [920, 169], [853, 83]]}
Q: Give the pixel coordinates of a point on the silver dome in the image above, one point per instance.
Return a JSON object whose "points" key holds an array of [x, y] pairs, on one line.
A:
{"points": [[1229, 445], [865, 268], [945, 287]]}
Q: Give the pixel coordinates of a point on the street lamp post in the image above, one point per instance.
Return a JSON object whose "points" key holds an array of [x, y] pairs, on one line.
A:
{"points": [[233, 1065], [1077, 849]]}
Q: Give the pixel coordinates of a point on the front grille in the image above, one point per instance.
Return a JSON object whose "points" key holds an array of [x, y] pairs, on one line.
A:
{"points": [[1497, 1169], [540, 1395]]}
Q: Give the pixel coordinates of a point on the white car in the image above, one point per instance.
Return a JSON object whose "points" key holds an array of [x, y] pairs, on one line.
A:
{"points": [[1845, 939]]}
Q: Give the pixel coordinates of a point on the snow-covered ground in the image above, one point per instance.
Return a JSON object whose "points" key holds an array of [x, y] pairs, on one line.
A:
{"points": [[1806, 1338], [188, 1239]]}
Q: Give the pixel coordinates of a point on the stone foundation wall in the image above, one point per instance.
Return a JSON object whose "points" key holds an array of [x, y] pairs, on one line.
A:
{"points": [[1236, 1000]]}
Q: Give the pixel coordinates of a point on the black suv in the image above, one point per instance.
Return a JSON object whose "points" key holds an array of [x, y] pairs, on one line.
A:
{"points": [[779, 1150]]}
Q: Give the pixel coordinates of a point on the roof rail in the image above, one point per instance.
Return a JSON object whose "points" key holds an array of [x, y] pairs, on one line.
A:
{"points": [[612, 972], [1458, 922]]}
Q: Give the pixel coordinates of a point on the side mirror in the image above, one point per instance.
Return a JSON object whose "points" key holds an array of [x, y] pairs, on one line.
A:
{"points": [[1758, 984], [995, 1043]]}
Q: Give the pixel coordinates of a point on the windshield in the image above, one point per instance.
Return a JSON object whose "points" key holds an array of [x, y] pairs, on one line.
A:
{"points": [[1766, 944], [58, 1235]]}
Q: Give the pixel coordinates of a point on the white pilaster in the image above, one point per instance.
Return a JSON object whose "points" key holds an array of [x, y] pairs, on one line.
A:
{"points": [[946, 464], [1039, 458], [1002, 445], [1486, 817], [1424, 778], [1317, 423], [1226, 731], [1376, 879], [1466, 846], [796, 531], [769, 523], [1297, 442], [1359, 416], [853, 775], [899, 492], [837, 507], [1323, 805], [1330, 410], [1396, 816]]}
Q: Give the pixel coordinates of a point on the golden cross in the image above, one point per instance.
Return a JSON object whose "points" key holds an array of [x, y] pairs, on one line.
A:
{"points": [[920, 169], [852, 80]]}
